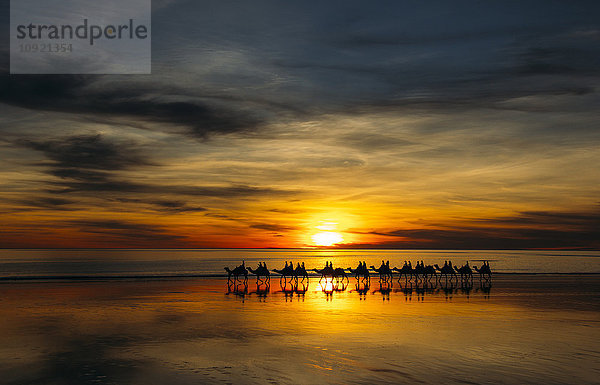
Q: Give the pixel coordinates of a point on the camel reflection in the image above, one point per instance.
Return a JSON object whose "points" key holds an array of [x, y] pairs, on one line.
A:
{"points": [[407, 290], [291, 285], [237, 288], [464, 287], [262, 290], [331, 284], [385, 288], [485, 287], [362, 287]]}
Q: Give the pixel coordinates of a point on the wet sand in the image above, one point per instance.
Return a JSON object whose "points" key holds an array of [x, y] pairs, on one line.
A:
{"points": [[522, 329]]}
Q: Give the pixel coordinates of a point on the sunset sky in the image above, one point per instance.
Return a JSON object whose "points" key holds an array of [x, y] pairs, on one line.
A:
{"points": [[386, 124]]}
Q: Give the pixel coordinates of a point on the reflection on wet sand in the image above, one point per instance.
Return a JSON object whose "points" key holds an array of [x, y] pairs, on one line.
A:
{"points": [[329, 285], [366, 331]]}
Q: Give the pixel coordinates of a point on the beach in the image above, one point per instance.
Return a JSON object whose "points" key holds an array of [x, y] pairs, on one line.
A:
{"points": [[523, 328], [299, 192]]}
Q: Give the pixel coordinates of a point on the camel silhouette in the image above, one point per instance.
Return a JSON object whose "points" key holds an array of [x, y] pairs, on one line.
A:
{"points": [[237, 272], [326, 272], [485, 272], [261, 271], [420, 277], [429, 272], [384, 271], [340, 274], [361, 271], [407, 271], [300, 272], [447, 271], [466, 274], [286, 272]]}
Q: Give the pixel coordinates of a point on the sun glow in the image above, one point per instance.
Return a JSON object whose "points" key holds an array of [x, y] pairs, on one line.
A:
{"points": [[327, 238]]}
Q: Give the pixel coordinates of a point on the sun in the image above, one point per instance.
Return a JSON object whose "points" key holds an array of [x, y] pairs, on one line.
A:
{"points": [[327, 238]]}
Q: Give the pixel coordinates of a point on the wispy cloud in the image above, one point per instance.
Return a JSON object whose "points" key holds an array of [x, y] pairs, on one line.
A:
{"points": [[462, 124]]}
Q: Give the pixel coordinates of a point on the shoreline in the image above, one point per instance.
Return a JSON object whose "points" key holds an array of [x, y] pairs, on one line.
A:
{"points": [[251, 278], [143, 277]]}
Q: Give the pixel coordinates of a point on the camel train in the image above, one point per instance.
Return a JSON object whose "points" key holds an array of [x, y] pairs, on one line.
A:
{"points": [[419, 274]]}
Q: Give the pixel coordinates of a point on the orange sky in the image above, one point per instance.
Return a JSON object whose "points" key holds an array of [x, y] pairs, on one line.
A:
{"points": [[278, 125]]}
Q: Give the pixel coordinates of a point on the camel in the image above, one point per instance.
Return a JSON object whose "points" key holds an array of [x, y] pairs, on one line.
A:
{"points": [[485, 272], [337, 276], [237, 272], [384, 271], [325, 272], [287, 271], [406, 270], [466, 274], [360, 271], [340, 273], [300, 272], [428, 272], [261, 271], [447, 271]]}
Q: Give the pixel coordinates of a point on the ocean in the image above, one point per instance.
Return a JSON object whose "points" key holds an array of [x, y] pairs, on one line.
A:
{"points": [[115, 263], [169, 317]]}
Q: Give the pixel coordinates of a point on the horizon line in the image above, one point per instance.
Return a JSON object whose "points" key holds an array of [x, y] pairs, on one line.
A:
{"points": [[296, 248]]}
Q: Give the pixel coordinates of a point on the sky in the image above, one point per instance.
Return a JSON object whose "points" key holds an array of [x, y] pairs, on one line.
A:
{"points": [[351, 124]]}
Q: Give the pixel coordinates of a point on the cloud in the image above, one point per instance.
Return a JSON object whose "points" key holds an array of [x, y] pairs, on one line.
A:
{"points": [[119, 185], [90, 163], [528, 230], [87, 152], [126, 230], [164, 205], [81, 95], [273, 227], [577, 220], [380, 110], [45, 202]]}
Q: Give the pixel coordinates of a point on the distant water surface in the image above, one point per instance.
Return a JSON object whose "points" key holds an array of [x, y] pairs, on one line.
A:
{"points": [[126, 262]]}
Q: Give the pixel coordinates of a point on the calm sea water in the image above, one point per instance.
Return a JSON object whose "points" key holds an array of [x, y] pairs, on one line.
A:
{"points": [[42, 263], [518, 329], [524, 329]]}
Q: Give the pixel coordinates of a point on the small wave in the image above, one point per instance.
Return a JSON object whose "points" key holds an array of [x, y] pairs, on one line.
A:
{"points": [[106, 277]]}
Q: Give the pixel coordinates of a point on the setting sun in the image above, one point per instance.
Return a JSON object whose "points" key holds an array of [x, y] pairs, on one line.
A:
{"points": [[327, 238]]}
